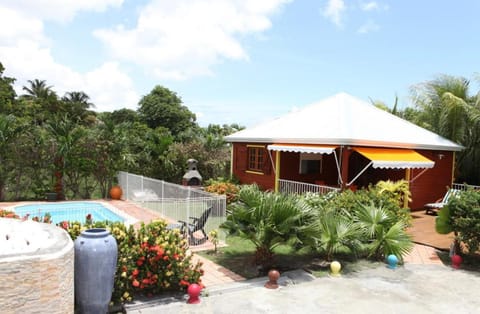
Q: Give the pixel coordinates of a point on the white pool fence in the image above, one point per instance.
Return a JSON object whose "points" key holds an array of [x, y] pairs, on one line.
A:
{"points": [[177, 203]]}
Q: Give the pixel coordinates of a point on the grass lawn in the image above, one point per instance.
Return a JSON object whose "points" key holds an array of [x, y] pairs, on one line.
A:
{"points": [[238, 256]]}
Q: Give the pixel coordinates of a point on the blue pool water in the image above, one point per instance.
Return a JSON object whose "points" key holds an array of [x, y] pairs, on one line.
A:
{"points": [[69, 211]]}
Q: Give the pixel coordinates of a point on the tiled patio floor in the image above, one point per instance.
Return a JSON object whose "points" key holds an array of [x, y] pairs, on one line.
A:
{"points": [[423, 231]]}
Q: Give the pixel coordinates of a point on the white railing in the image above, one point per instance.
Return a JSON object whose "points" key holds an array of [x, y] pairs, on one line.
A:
{"points": [[176, 203], [463, 187], [294, 187]]}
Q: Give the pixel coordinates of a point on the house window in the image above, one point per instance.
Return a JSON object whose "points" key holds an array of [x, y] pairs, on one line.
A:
{"points": [[310, 163], [255, 158]]}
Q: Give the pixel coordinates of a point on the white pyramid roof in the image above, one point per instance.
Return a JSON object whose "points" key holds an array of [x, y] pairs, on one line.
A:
{"points": [[344, 120]]}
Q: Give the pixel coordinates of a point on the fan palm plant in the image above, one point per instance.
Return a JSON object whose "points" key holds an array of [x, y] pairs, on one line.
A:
{"points": [[383, 232], [266, 219], [334, 231]]}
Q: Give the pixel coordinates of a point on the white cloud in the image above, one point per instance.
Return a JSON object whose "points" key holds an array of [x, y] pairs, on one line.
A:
{"points": [[58, 10], [369, 6], [185, 38], [26, 54], [111, 88], [368, 27], [334, 11]]}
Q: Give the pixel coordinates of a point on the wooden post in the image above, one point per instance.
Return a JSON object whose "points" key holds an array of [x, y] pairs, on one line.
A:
{"points": [[408, 174], [346, 152], [277, 170]]}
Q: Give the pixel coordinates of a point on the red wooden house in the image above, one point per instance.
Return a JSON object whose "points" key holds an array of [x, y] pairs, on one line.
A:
{"points": [[343, 142]]}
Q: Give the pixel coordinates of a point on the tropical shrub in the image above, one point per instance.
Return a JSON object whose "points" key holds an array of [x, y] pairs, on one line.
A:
{"points": [[267, 219], [150, 260], [4, 213], [228, 189], [367, 221], [384, 233], [161, 260], [462, 216], [334, 231], [376, 195]]}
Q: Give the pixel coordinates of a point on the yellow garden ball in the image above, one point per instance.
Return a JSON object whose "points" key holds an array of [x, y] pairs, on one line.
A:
{"points": [[335, 268]]}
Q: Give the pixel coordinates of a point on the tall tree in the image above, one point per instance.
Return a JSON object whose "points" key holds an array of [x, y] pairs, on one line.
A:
{"points": [[7, 93], [77, 105], [163, 108], [42, 100]]}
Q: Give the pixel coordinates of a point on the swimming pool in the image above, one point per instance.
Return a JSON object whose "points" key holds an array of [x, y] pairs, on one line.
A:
{"points": [[71, 211]]}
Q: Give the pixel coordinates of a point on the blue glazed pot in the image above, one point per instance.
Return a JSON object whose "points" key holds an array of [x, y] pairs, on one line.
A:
{"points": [[95, 266]]}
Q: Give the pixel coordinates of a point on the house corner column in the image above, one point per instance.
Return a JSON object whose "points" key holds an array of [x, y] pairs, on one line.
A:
{"points": [[346, 152], [408, 175], [277, 170]]}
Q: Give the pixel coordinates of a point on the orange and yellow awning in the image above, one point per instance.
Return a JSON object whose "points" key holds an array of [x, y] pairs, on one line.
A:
{"points": [[394, 158]]}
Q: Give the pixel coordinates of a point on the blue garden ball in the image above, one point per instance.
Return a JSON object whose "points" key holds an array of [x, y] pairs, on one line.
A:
{"points": [[392, 261]]}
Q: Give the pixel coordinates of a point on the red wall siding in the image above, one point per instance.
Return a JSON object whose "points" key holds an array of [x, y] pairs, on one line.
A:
{"points": [[427, 188], [432, 184], [266, 180]]}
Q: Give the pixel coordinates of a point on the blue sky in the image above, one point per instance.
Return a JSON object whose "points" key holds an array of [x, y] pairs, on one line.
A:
{"points": [[238, 61]]}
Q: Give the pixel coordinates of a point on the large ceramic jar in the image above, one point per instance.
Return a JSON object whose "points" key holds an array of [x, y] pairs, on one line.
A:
{"points": [[116, 192], [95, 266]]}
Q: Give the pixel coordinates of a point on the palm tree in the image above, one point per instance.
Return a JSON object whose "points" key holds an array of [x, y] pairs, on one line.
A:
{"points": [[447, 108], [77, 105], [42, 95], [38, 89]]}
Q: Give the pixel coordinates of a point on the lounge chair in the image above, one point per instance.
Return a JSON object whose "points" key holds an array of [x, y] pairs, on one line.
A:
{"points": [[197, 224], [433, 208], [145, 195]]}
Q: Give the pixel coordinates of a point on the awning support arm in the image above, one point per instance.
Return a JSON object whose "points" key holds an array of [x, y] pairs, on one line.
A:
{"points": [[338, 168], [271, 160], [360, 173], [418, 175]]}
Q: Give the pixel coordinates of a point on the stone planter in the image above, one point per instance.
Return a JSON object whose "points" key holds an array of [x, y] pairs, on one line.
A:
{"points": [[95, 266]]}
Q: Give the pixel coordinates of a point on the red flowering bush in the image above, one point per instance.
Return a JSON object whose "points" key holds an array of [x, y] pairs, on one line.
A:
{"points": [[161, 261], [150, 260], [8, 214]]}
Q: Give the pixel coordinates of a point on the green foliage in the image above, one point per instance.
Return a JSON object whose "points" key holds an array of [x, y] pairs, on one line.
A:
{"points": [[163, 108], [384, 233], [7, 93], [443, 223], [462, 216], [51, 144], [230, 190], [150, 260], [446, 107], [368, 220], [334, 232], [376, 195], [267, 220]]}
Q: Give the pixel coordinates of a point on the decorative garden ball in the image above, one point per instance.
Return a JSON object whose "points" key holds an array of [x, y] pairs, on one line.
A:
{"points": [[335, 268], [273, 276], [194, 293], [456, 261], [392, 261]]}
